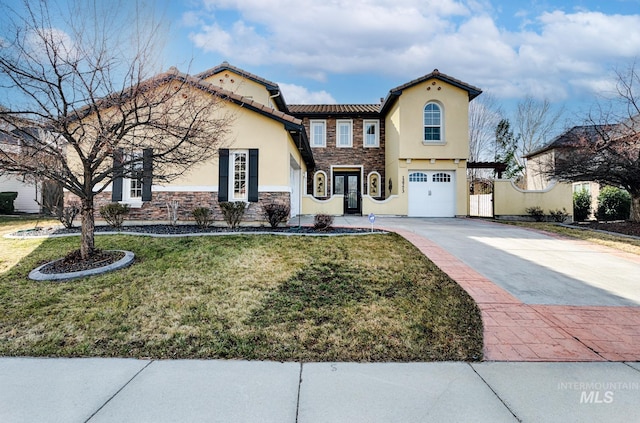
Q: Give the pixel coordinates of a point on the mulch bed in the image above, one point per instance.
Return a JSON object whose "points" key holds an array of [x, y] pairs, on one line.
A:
{"points": [[625, 228], [193, 229], [73, 262]]}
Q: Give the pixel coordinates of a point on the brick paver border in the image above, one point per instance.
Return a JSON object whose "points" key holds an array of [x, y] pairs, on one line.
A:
{"points": [[515, 331]]}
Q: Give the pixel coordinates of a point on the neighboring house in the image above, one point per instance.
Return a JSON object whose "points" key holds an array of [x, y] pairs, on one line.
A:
{"points": [[29, 192], [404, 156], [542, 161]]}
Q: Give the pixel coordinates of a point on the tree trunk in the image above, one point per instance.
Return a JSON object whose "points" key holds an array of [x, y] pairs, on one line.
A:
{"points": [[87, 245], [635, 207]]}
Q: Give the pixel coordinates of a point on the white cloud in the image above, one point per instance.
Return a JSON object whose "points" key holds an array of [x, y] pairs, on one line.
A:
{"points": [[553, 54], [296, 94]]}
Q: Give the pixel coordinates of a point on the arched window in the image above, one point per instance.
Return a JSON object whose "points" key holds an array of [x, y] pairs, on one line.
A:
{"points": [[432, 123]]}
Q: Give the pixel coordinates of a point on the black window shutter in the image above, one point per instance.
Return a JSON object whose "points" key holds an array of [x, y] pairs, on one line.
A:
{"points": [[223, 175], [116, 191], [253, 175], [147, 173]]}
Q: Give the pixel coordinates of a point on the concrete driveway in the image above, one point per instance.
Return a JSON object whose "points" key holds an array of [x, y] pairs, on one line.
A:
{"points": [[534, 267], [542, 297]]}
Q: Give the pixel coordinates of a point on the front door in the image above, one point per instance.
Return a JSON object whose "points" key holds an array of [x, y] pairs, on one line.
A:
{"points": [[348, 184]]}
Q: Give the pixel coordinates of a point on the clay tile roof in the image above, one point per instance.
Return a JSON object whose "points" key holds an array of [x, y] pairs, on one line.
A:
{"points": [[334, 109]]}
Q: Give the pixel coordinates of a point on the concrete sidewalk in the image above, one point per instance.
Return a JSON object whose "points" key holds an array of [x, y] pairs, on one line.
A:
{"points": [[127, 390]]}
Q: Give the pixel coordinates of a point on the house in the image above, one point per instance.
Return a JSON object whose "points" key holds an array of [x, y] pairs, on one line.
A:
{"points": [[403, 156], [29, 191], [541, 162]]}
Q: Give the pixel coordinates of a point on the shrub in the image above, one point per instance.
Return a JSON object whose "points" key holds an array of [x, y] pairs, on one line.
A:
{"points": [[203, 217], [536, 212], [276, 213], [6, 202], [322, 222], [233, 211], [559, 215], [67, 214], [613, 204], [581, 205], [172, 212], [114, 213]]}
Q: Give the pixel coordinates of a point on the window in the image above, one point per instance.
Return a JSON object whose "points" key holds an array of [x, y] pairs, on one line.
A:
{"points": [[441, 177], [371, 133], [418, 177], [132, 176], [318, 133], [582, 186], [239, 174], [135, 182], [432, 123], [343, 133], [338, 185]]}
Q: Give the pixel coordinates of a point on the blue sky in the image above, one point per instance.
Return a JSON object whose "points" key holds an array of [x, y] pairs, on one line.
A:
{"points": [[355, 51]]}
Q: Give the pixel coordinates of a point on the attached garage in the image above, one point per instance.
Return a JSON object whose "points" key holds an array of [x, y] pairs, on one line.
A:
{"points": [[432, 193]]}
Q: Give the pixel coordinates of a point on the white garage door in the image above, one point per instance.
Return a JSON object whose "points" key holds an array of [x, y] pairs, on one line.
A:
{"points": [[432, 193]]}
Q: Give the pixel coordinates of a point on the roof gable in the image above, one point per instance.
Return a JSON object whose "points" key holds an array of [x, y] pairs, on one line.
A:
{"points": [[396, 92], [271, 87]]}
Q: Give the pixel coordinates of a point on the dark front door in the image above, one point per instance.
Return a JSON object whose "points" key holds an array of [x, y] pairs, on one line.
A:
{"points": [[348, 184]]}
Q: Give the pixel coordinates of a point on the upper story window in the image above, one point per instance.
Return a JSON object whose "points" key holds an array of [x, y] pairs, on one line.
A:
{"points": [[371, 133], [344, 134], [318, 133], [432, 123]]}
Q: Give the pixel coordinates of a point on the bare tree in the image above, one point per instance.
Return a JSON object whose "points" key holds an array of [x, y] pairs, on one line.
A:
{"points": [[610, 152], [484, 116], [80, 79]]}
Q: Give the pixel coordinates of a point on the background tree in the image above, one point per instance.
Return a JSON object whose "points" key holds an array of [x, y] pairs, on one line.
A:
{"points": [[506, 145], [484, 115], [536, 124], [611, 154], [77, 76]]}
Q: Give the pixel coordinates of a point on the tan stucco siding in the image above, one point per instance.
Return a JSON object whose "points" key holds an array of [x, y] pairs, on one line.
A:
{"points": [[454, 103], [251, 130], [392, 148], [510, 200], [535, 170], [240, 85]]}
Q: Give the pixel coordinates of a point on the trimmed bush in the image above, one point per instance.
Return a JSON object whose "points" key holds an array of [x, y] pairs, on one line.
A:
{"points": [[67, 214], [114, 214], [581, 205], [276, 213], [613, 204], [322, 222], [203, 217], [6, 202], [559, 215], [233, 211], [536, 212]]}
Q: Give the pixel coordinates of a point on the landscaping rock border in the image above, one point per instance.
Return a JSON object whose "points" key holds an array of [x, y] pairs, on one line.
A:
{"points": [[37, 275]]}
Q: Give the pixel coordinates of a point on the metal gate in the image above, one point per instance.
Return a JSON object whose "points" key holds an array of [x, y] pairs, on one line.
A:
{"points": [[481, 197]]}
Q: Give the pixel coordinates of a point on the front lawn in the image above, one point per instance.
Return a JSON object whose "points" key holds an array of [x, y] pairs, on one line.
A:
{"points": [[260, 297]]}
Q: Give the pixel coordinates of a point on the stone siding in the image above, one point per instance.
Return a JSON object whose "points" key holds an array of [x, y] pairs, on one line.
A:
{"points": [[156, 209], [372, 159]]}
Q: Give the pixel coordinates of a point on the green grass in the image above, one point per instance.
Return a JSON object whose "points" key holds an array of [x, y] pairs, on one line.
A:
{"points": [[629, 245], [360, 298]]}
